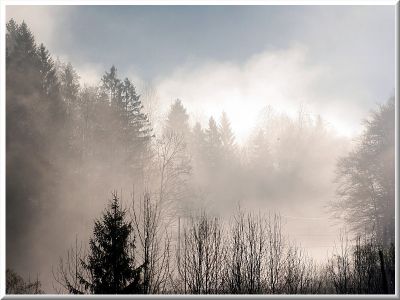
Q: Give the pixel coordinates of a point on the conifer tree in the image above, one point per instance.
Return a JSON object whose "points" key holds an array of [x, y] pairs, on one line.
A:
{"points": [[69, 86], [35, 117], [128, 125], [112, 86], [111, 260], [198, 139], [260, 149], [178, 119], [197, 146], [138, 122], [11, 35], [49, 79], [227, 136], [213, 144]]}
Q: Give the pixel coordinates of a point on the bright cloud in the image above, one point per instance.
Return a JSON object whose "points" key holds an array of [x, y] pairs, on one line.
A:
{"points": [[281, 79]]}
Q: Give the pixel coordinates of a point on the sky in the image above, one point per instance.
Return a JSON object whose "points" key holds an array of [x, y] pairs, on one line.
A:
{"points": [[336, 61]]}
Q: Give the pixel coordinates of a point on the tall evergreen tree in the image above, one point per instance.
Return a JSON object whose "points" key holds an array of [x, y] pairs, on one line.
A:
{"points": [[213, 144], [111, 260], [260, 152], [178, 119], [138, 121], [112, 86], [35, 118], [198, 138], [197, 146], [69, 93], [11, 36], [129, 126], [69, 86], [213, 136], [50, 83], [227, 136]]}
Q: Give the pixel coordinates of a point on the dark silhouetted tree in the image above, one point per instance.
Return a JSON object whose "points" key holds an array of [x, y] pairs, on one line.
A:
{"points": [[200, 256], [35, 136], [111, 260]]}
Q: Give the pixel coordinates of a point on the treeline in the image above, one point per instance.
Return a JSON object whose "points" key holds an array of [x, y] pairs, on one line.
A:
{"points": [[62, 136], [66, 142], [67, 145], [247, 254]]}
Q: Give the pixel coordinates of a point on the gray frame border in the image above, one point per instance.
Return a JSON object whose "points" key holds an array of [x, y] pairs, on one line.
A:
{"points": [[324, 296]]}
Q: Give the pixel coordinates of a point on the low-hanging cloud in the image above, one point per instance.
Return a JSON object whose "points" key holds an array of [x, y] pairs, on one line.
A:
{"points": [[282, 79]]}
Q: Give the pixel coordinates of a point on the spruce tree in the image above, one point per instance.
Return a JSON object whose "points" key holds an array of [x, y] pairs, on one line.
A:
{"points": [[49, 79], [112, 86], [213, 144], [69, 86], [111, 260], [260, 155], [197, 146], [27, 123], [178, 119], [227, 136], [128, 125], [34, 119], [137, 121]]}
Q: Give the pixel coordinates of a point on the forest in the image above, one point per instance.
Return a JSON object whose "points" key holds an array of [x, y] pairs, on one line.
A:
{"points": [[173, 206]]}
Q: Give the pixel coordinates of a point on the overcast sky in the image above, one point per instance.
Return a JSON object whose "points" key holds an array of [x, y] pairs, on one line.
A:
{"points": [[337, 61]]}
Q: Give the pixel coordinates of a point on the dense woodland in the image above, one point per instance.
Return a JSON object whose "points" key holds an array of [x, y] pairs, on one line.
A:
{"points": [[70, 147]]}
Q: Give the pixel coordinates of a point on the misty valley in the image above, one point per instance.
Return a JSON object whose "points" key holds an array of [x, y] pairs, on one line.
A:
{"points": [[106, 194]]}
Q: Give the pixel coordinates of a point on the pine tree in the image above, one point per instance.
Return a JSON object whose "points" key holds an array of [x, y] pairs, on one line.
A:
{"points": [[23, 137], [137, 120], [111, 260], [69, 86], [139, 131], [178, 119], [50, 84], [11, 35], [127, 109], [197, 146], [213, 144], [260, 155], [112, 86], [69, 92], [35, 117], [213, 137], [227, 136]]}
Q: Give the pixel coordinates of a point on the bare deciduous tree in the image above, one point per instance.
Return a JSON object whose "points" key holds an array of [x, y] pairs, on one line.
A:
{"points": [[154, 243], [200, 256], [173, 165]]}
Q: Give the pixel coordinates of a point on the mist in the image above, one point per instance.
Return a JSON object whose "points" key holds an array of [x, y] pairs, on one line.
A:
{"points": [[200, 137]]}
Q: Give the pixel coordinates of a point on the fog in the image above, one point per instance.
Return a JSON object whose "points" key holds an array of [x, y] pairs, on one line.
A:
{"points": [[294, 178], [260, 133]]}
